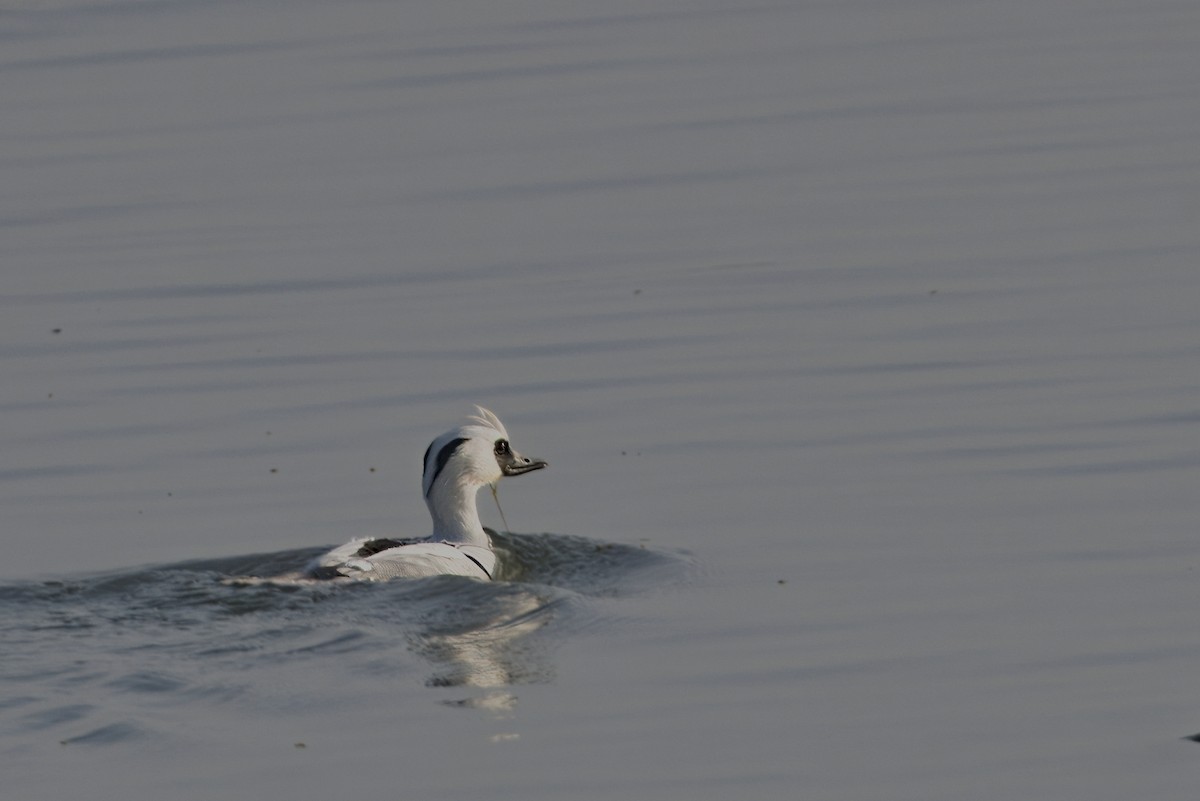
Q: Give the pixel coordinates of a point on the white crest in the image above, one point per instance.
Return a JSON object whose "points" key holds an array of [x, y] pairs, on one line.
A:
{"points": [[486, 418]]}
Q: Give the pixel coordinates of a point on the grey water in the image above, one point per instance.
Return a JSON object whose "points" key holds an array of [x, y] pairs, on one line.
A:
{"points": [[861, 338], [182, 630]]}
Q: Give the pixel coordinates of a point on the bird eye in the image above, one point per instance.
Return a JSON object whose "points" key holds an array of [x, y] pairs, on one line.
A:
{"points": [[502, 447]]}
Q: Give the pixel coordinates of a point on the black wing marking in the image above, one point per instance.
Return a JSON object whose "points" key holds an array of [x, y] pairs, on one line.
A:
{"points": [[372, 547]]}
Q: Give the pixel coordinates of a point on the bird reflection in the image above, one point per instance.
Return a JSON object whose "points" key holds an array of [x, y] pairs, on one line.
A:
{"points": [[493, 650]]}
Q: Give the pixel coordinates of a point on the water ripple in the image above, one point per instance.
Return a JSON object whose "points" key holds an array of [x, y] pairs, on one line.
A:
{"points": [[182, 633]]}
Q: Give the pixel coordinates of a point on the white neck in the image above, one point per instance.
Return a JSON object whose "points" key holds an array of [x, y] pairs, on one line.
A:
{"points": [[451, 503]]}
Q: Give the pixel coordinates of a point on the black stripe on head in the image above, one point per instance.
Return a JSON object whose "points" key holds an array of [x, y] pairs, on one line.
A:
{"points": [[443, 456]]}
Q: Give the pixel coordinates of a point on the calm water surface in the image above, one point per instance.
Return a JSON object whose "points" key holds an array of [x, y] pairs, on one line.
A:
{"points": [[862, 339]]}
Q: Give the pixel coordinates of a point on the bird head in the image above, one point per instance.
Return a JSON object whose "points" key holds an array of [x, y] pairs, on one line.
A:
{"points": [[474, 455]]}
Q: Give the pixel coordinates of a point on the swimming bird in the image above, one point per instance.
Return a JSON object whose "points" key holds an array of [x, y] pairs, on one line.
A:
{"points": [[457, 465]]}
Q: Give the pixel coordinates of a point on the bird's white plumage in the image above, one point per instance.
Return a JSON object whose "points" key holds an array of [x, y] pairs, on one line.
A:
{"points": [[486, 419], [457, 464], [411, 560]]}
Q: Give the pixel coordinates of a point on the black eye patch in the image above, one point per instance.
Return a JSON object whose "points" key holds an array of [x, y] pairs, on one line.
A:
{"points": [[502, 448]]}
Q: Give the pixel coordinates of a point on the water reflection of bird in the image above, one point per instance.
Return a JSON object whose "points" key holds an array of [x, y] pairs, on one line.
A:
{"points": [[491, 649], [457, 465]]}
